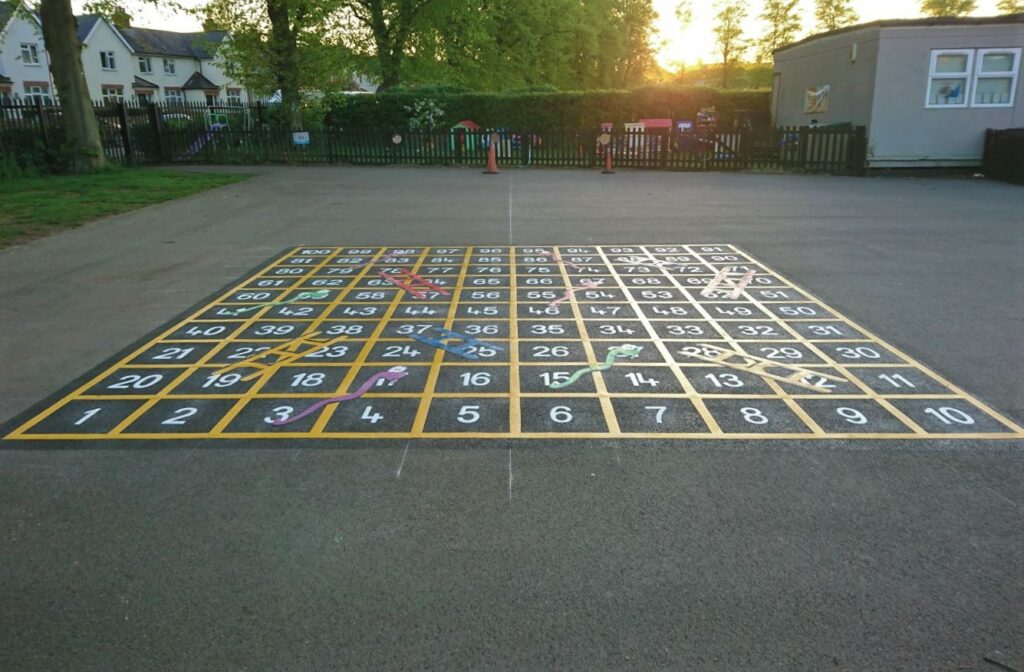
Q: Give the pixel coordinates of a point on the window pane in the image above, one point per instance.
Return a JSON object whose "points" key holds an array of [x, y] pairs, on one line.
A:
{"points": [[951, 63], [997, 62], [947, 92], [993, 91]]}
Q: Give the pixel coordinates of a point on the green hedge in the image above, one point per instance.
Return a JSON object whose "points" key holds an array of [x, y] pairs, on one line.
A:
{"points": [[567, 109]]}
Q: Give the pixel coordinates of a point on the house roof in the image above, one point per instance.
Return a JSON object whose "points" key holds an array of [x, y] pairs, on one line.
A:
{"points": [[85, 25], [914, 23], [168, 43], [4, 79], [141, 83], [198, 81]]}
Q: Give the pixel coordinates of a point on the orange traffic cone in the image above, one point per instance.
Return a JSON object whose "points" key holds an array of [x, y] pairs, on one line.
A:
{"points": [[608, 161], [492, 159]]}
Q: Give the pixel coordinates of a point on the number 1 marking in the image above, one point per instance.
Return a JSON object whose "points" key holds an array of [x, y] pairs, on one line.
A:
{"points": [[88, 414]]}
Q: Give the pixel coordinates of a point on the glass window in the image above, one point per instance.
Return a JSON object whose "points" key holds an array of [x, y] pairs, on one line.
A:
{"points": [[29, 54], [234, 97], [951, 62], [112, 94], [40, 92], [174, 96], [107, 60], [145, 64], [168, 66], [949, 78], [996, 77]]}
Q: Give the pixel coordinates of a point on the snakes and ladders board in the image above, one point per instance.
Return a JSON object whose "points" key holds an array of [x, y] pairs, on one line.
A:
{"points": [[576, 341]]}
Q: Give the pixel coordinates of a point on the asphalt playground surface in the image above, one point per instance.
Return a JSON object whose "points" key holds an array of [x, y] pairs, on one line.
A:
{"points": [[521, 555]]}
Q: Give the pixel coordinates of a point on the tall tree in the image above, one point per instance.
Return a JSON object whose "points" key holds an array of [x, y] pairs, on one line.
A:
{"points": [[834, 14], [948, 7], [391, 26], [1010, 6], [783, 19], [284, 45], [729, 35], [82, 135]]}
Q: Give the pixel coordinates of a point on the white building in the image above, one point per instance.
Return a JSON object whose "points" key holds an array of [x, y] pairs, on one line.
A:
{"points": [[134, 64]]}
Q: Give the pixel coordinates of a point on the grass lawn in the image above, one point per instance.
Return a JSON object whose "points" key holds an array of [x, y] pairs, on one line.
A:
{"points": [[38, 206]]}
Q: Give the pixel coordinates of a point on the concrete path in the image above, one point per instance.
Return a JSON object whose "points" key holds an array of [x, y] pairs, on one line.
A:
{"points": [[640, 555]]}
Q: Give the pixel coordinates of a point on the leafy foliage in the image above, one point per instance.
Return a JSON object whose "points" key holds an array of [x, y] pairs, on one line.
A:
{"points": [[1010, 6], [834, 14], [547, 110], [783, 20], [729, 34], [948, 7]]}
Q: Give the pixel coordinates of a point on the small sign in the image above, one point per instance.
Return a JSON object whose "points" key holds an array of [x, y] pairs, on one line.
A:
{"points": [[604, 138], [300, 137], [396, 139], [816, 99]]}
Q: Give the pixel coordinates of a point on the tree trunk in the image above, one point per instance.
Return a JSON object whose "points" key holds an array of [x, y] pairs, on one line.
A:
{"points": [[85, 150], [284, 59]]}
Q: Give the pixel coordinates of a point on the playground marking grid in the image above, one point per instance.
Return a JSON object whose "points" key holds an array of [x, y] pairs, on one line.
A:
{"points": [[322, 322]]}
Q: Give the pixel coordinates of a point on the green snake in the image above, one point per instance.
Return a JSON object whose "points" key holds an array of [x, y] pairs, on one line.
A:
{"points": [[625, 350]]}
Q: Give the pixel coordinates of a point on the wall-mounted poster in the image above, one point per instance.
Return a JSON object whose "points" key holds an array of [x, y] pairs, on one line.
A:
{"points": [[816, 99]]}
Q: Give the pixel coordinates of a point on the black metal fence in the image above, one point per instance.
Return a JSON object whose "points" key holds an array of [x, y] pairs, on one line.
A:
{"points": [[1004, 155], [245, 134]]}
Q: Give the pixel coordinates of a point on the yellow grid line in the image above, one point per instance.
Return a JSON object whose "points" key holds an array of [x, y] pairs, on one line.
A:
{"points": [[691, 391], [916, 364], [606, 405], [264, 377], [435, 364], [124, 361], [793, 406], [603, 395], [360, 361]]}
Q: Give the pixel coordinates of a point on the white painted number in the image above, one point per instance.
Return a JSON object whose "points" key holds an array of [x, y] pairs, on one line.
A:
{"points": [[896, 379], [724, 380], [479, 379], [659, 412], [561, 414], [468, 414], [753, 415], [281, 413], [950, 416], [858, 353], [852, 416], [136, 382], [87, 415], [307, 379], [180, 416], [368, 414]]}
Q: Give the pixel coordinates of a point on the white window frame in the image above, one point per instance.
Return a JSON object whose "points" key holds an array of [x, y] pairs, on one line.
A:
{"points": [[108, 61], [32, 49], [233, 97], [179, 97], [966, 75], [1012, 74], [171, 69], [112, 94], [39, 92], [146, 65]]}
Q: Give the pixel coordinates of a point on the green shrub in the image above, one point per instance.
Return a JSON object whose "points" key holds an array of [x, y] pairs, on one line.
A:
{"points": [[549, 109]]}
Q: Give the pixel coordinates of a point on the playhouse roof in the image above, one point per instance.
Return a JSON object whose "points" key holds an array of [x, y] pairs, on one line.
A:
{"points": [[656, 123], [468, 124]]}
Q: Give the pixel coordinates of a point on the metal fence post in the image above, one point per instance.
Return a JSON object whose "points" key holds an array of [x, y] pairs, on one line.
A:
{"points": [[156, 128], [126, 136], [42, 124]]}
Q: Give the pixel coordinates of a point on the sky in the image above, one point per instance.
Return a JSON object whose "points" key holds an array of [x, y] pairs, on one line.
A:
{"points": [[674, 46]]}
